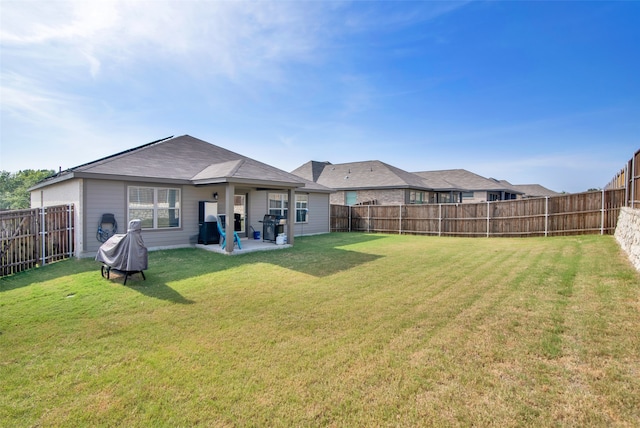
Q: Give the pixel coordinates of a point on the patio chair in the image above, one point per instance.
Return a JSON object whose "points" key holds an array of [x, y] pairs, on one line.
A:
{"points": [[223, 236]]}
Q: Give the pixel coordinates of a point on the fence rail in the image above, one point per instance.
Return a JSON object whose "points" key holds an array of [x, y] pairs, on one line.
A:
{"points": [[573, 214], [35, 237]]}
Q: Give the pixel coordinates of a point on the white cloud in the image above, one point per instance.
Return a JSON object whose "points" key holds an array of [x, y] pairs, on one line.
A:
{"points": [[230, 38], [62, 60]]}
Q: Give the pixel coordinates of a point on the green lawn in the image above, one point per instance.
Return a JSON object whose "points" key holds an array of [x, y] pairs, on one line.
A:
{"points": [[341, 330]]}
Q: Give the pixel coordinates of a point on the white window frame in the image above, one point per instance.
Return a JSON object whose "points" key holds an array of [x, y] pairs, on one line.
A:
{"points": [[283, 210], [302, 208], [282, 199], [156, 208]]}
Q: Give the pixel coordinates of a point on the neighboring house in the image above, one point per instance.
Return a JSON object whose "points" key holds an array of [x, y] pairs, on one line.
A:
{"points": [[530, 190], [476, 188], [167, 183], [376, 183]]}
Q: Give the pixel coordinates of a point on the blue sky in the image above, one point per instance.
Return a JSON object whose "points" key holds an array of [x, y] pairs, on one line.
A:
{"points": [[531, 92]]}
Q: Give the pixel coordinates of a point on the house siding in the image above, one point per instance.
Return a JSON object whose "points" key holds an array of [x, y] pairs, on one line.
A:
{"points": [[99, 197], [380, 197], [318, 218], [257, 201], [478, 196], [67, 192], [319, 212], [105, 196]]}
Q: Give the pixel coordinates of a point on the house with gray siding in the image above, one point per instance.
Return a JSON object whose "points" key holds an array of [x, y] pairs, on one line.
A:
{"points": [[167, 183]]}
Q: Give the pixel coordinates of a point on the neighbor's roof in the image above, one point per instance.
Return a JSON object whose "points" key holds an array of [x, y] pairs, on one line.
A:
{"points": [[534, 190], [184, 160], [359, 175], [463, 179]]}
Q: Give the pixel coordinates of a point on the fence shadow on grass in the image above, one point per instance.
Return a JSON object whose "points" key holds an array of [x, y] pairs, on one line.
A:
{"points": [[45, 273], [151, 287]]}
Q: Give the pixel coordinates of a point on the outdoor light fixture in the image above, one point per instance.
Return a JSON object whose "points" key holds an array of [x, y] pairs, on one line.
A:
{"points": [[215, 196]]}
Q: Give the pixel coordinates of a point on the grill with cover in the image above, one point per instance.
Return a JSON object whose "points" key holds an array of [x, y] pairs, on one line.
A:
{"points": [[124, 253]]}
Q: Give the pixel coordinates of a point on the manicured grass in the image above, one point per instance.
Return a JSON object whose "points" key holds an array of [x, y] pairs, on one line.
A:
{"points": [[341, 330]]}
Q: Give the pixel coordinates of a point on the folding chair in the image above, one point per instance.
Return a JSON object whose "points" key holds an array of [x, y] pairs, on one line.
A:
{"points": [[223, 236]]}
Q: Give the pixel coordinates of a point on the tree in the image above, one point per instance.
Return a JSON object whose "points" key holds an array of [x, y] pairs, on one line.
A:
{"points": [[13, 187]]}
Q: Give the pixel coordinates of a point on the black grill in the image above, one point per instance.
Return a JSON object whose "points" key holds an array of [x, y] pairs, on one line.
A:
{"points": [[272, 226]]}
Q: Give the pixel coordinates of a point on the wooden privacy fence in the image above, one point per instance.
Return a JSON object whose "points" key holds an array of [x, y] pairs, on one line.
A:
{"points": [[35, 237], [629, 179], [572, 214]]}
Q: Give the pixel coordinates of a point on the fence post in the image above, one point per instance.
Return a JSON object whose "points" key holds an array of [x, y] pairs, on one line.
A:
{"points": [[633, 181], [439, 219], [602, 215], [43, 243], [626, 184], [70, 242], [488, 218], [400, 233], [368, 218], [546, 216], [350, 218]]}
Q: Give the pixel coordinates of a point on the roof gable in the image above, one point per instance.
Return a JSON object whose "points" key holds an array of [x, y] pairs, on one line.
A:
{"points": [[311, 170]]}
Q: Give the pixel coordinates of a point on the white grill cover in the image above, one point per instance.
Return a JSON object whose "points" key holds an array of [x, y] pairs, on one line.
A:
{"points": [[125, 252]]}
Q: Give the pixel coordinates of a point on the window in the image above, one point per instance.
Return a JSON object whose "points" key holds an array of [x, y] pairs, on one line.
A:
{"points": [[157, 208], [467, 195], [351, 197], [302, 208], [416, 197], [279, 205]]}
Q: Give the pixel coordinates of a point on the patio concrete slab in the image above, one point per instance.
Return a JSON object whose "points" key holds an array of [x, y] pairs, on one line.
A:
{"points": [[248, 246]]}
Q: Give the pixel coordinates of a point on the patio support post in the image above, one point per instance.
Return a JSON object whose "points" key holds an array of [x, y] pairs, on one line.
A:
{"points": [[291, 216], [228, 216]]}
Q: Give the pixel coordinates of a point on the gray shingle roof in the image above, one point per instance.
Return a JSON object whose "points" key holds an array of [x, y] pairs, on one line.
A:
{"points": [[189, 160], [311, 170], [534, 190], [360, 175], [467, 180]]}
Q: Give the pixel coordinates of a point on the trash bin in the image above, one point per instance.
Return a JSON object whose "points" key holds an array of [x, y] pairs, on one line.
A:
{"points": [[209, 232]]}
